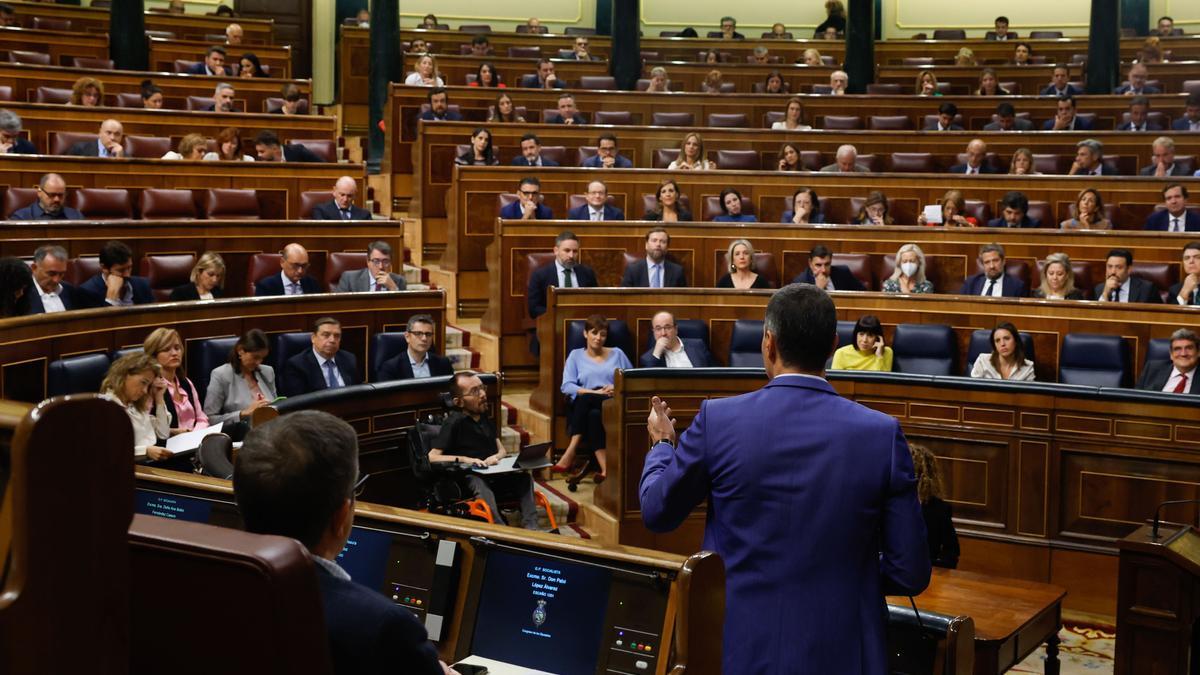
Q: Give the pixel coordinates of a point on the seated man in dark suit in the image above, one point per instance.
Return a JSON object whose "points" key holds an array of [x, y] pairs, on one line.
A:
{"points": [[376, 276], [292, 280], [1190, 119], [1119, 283], [1065, 117], [672, 351], [1187, 291], [115, 285], [269, 149], [1136, 86], [976, 160], [1089, 159], [1061, 86], [51, 192], [1015, 212], [544, 78], [529, 204], [213, 64], [341, 207], [580, 51], [1139, 116], [655, 271], [50, 293], [607, 156], [481, 46], [1001, 32], [419, 360], [564, 272], [298, 477], [993, 282], [325, 366], [1176, 217], [112, 133], [223, 95], [597, 206], [11, 142], [1007, 120], [1178, 375], [823, 274], [945, 121], [531, 153], [567, 112], [439, 107], [728, 30], [1163, 153]]}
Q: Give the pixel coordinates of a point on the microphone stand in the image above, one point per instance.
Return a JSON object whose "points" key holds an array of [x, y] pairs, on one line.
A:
{"points": [[1158, 512]]}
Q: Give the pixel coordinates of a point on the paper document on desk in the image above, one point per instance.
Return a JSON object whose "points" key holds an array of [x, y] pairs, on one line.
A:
{"points": [[191, 440], [503, 466]]}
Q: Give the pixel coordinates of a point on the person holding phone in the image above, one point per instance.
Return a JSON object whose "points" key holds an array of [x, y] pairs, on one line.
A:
{"points": [[869, 351], [237, 388]]}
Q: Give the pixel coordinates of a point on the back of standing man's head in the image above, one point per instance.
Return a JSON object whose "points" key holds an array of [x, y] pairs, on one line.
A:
{"points": [[804, 321]]}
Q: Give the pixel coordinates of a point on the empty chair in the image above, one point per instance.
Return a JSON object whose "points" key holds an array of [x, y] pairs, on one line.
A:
{"points": [[843, 122], [48, 23], [147, 147], [917, 61], [32, 58], [885, 89], [597, 82], [979, 210], [165, 271], [76, 374], [1191, 86], [473, 28], [745, 344], [52, 95], [126, 99], [912, 162], [573, 30], [1051, 164], [672, 119], [310, 199], [525, 52], [746, 160], [897, 122], [981, 343], [925, 349], [17, 198], [664, 156], [1045, 34], [231, 204], [1094, 360], [92, 64], [166, 204], [213, 456], [103, 203], [728, 120], [61, 141], [200, 103], [324, 148], [184, 65], [612, 117], [6, 93], [203, 356], [160, 34], [949, 34], [81, 269]]}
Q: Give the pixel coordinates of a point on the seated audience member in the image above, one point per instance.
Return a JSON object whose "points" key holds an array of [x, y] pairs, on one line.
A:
{"points": [[1139, 116], [229, 147], [567, 112], [976, 160], [691, 155], [731, 208], [869, 352], [1163, 153], [267, 145], [363, 18], [1060, 85], [152, 96], [503, 110], [1058, 280], [1190, 120], [439, 107], [1021, 163], [587, 382], [192, 148], [811, 57], [607, 156], [204, 283], [544, 78], [927, 84], [741, 272], [250, 67], [792, 116], [806, 208], [989, 84], [993, 281], [112, 134], [1007, 120], [213, 63], [710, 56], [223, 95], [1120, 285], [826, 276], [468, 436], [875, 210], [535, 26], [1165, 27], [1007, 359], [1001, 32], [417, 46], [529, 204], [565, 272], [114, 285], [298, 477], [965, 57], [531, 153], [667, 207], [425, 73], [430, 22], [656, 271], [1014, 212], [580, 50], [376, 276], [325, 366], [846, 161], [8, 17], [728, 29], [481, 46], [1089, 159], [945, 121], [909, 275], [291, 280], [237, 388], [597, 206], [419, 360], [1175, 217], [712, 82], [789, 158], [831, 33], [233, 35], [1186, 292], [774, 83], [88, 92], [135, 381], [1065, 118], [176, 7], [658, 81], [290, 94], [1089, 213], [936, 512], [835, 18], [760, 56], [953, 207], [1136, 86], [671, 351], [488, 77], [480, 153], [182, 400], [1177, 376], [1022, 54], [16, 287], [341, 207], [838, 82], [50, 293], [11, 142], [51, 193], [778, 32]]}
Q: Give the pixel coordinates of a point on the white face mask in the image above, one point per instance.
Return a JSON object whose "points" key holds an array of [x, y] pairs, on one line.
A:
{"points": [[908, 268]]}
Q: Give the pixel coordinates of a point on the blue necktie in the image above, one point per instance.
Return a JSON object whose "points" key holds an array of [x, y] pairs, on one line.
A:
{"points": [[331, 379], [656, 276]]}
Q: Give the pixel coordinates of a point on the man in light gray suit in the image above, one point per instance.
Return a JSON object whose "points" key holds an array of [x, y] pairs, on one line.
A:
{"points": [[376, 276], [847, 162]]}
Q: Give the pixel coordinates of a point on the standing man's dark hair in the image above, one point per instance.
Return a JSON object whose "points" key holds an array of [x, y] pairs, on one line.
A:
{"points": [[804, 322]]}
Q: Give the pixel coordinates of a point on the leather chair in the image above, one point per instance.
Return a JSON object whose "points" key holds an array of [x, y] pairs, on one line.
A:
{"points": [[341, 262], [1051, 164], [672, 119], [383, 347], [745, 344], [573, 30], [917, 61], [934, 119], [28, 57], [1045, 34], [231, 204], [61, 141], [925, 349], [159, 34], [822, 89], [846, 122], [126, 351], [166, 271], [1087, 116], [649, 202], [772, 117], [597, 82], [524, 52], [274, 104], [1158, 349], [651, 56], [811, 160], [52, 95], [81, 269], [474, 28], [949, 34], [1162, 275], [1094, 360], [184, 65], [261, 265], [1040, 210], [48, 23], [103, 203], [147, 147], [200, 103], [128, 100], [889, 122], [1191, 87], [981, 343], [166, 204], [288, 345], [979, 210], [912, 162], [6, 93], [619, 336], [612, 117], [744, 160], [310, 199], [76, 374], [712, 206], [664, 156], [204, 356], [885, 89], [728, 87], [324, 148], [17, 198], [92, 64], [859, 265], [526, 28], [845, 333], [728, 120]]}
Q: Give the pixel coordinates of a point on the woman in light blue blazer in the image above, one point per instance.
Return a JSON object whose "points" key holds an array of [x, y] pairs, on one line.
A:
{"points": [[238, 388]]}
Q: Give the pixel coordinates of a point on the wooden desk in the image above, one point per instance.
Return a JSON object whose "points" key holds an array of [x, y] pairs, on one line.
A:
{"points": [[184, 26], [1032, 78], [60, 45], [163, 54]]}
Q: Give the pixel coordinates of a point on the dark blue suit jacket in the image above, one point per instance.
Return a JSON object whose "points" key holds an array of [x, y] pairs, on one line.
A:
{"points": [[1081, 124], [581, 213], [1049, 90], [520, 160], [22, 147], [620, 162], [637, 275], [983, 169], [1150, 126], [843, 279], [531, 81], [1146, 90], [513, 212], [398, 367], [814, 528], [1013, 287], [450, 116], [67, 295], [1025, 222], [273, 285], [91, 292], [1161, 220], [546, 276], [697, 352], [34, 212], [1181, 124], [302, 374], [370, 634], [330, 211]]}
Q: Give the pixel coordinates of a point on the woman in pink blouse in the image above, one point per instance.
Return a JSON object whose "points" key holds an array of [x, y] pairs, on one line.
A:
{"points": [[183, 402]]}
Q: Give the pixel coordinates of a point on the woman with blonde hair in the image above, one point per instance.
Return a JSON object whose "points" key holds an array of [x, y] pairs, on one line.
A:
{"points": [[1022, 163], [741, 272], [874, 210], [965, 57], [1058, 279], [205, 280], [691, 156], [909, 276], [927, 84], [425, 73], [989, 84], [192, 148], [184, 407], [658, 81], [792, 116], [712, 82], [938, 515], [87, 91], [135, 381], [953, 206], [835, 18], [812, 57]]}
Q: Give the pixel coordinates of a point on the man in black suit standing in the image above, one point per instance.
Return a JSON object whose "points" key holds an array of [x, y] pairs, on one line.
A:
{"points": [[976, 160], [50, 293], [114, 285], [112, 134], [298, 477], [992, 281], [268, 149], [671, 351], [1015, 212], [655, 271], [213, 63], [1175, 217], [1119, 285], [564, 272], [51, 193], [1178, 375], [419, 360], [11, 142], [531, 153], [324, 366], [823, 274], [341, 207], [1162, 151], [292, 280]]}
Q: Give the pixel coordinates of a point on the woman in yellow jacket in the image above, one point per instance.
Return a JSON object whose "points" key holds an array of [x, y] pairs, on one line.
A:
{"points": [[868, 351]]}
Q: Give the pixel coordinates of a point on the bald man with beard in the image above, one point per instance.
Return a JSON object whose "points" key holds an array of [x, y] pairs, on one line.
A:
{"points": [[341, 207]]}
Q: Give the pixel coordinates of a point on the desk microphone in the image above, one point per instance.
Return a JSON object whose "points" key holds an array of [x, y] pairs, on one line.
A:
{"points": [[1157, 512]]}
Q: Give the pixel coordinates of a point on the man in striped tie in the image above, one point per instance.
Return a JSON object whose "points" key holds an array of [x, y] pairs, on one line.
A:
{"points": [[1177, 375], [341, 207]]}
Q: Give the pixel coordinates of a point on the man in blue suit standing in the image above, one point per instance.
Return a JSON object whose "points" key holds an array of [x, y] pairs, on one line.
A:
{"points": [[992, 281], [529, 204], [812, 504], [671, 351], [597, 206]]}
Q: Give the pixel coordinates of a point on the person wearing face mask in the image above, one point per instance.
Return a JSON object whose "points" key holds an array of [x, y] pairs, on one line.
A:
{"points": [[909, 276], [869, 352]]}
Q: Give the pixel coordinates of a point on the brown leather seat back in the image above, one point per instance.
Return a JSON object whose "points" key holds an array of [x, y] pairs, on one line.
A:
{"points": [[324, 148], [746, 160], [859, 265], [28, 57], [61, 141], [129, 100], [344, 261], [17, 198], [672, 119], [1162, 275], [597, 82], [49, 23], [52, 95], [165, 271], [200, 103], [81, 269], [664, 156], [261, 265], [612, 117], [728, 120], [231, 204], [843, 122], [6, 93], [912, 162], [890, 122], [311, 199], [147, 147], [103, 203], [167, 204], [184, 65], [92, 64]]}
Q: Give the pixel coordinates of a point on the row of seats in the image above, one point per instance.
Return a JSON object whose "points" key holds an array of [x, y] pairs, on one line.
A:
{"points": [[64, 25], [154, 147], [60, 95], [163, 204]]}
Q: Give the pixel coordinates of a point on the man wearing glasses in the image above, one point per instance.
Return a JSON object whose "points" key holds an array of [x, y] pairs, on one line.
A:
{"points": [[293, 280], [341, 207], [51, 193], [580, 52], [376, 276], [11, 142], [529, 204], [671, 351], [419, 360]]}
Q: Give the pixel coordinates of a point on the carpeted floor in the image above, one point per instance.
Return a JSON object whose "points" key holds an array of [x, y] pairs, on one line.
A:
{"points": [[1083, 649]]}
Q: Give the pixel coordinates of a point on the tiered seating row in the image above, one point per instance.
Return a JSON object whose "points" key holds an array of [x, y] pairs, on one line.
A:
{"points": [[182, 26]]}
